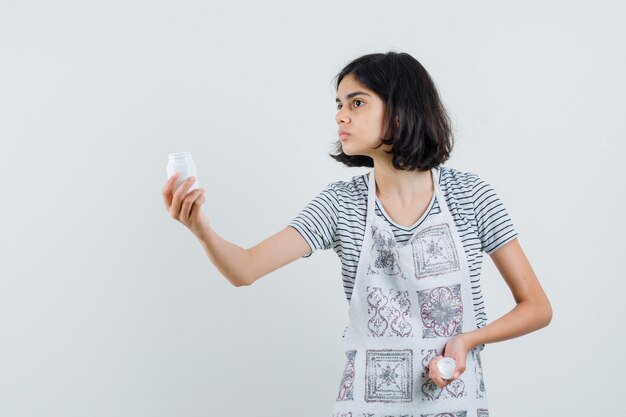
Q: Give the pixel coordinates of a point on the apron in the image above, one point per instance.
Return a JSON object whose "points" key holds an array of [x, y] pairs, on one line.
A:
{"points": [[406, 303]]}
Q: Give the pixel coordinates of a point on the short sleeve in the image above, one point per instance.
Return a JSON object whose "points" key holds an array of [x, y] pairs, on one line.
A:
{"points": [[317, 222], [495, 227]]}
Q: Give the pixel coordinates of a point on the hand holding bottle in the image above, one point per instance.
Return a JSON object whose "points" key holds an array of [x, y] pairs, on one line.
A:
{"points": [[454, 356], [184, 206]]}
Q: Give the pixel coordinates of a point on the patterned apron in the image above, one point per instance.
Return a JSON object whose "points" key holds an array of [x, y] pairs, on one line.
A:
{"points": [[406, 303]]}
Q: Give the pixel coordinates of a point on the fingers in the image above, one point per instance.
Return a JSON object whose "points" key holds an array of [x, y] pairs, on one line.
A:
{"points": [[455, 349], [200, 201], [433, 373], [190, 201], [167, 190], [183, 205], [194, 215], [460, 368], [179, 194]]}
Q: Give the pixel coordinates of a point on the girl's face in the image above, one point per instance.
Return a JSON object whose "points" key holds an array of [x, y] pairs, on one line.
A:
{"points": [[360, 114]]}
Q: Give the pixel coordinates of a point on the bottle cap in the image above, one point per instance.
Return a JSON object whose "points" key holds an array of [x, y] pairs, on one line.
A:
{"points": [[180, 157], [446, 367]]}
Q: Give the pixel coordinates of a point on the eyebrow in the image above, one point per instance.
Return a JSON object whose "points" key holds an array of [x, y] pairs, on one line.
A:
{"points": [[356, 93]]}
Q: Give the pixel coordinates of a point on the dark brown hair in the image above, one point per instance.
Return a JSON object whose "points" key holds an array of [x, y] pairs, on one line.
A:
{"points": [[422, 139]]}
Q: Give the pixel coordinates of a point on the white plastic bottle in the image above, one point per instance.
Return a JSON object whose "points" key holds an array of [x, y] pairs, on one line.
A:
{"points": [[446, 368], [181, 162]]}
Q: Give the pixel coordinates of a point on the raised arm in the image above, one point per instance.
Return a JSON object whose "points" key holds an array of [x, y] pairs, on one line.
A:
{"points": [[244, 266], [240, 266]]}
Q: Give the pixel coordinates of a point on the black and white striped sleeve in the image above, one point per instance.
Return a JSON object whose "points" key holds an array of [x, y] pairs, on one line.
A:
{"points": [[317, 222], [495, 227]]}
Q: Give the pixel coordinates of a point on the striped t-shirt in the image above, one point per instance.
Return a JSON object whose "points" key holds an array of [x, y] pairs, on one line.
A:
{"points": [[335, 218]]}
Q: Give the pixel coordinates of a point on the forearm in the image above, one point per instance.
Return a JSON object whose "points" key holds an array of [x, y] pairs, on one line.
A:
{"points": [[525, 317], [231, 260]]}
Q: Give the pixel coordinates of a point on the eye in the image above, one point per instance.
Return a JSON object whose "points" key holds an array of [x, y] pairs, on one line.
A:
{"points": [[356, 102]]}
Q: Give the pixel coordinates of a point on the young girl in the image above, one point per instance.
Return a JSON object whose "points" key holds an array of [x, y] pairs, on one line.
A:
{"points": [[410, 235]]}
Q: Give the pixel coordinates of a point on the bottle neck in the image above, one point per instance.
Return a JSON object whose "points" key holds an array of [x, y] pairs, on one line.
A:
{"points": [[180, 158]]}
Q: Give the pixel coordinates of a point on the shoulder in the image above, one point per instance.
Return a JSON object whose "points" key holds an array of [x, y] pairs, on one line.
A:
{"points": [[349, 190], [458, 182]]}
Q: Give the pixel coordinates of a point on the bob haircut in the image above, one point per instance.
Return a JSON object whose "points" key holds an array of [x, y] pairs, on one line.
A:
{"points": [[421, 136]]}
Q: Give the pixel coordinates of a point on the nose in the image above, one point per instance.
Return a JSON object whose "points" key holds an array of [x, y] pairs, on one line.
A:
{"points": [[342, 117]]}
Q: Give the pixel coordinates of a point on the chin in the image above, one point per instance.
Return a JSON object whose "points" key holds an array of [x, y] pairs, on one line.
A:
{"points": [[344, 150]]}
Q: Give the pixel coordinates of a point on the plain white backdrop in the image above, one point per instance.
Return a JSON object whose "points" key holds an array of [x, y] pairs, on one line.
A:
{"points": [[109, 307]]}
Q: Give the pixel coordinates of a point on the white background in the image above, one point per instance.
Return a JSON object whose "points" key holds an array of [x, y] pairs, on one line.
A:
{"points": [[109, 307]]}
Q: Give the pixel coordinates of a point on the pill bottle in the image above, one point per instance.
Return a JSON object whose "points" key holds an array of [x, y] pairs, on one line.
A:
{"points": [[446, 368], [182, 163]]}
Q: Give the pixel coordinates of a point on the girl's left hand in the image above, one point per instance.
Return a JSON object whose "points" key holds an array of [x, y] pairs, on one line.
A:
{"points": [[456, 349]]}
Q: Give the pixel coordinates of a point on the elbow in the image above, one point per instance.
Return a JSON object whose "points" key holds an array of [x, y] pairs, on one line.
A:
{"points": [[538, 313], [545, 314], [548, 314], [246, 276], [240, 282]]}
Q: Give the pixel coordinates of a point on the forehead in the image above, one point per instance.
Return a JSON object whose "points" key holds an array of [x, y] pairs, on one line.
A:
{"points": [[350, 82], [349, 85]]}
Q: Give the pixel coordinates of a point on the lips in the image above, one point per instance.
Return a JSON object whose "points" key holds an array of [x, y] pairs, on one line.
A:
{"points": [[343, 135]]}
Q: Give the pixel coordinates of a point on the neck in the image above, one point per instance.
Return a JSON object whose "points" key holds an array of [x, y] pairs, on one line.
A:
{"points": [[403, 187]]}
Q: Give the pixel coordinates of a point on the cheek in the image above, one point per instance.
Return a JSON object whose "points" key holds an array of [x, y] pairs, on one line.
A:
{"points": [[374, 128]]}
